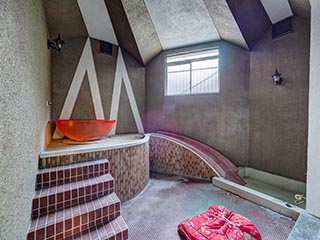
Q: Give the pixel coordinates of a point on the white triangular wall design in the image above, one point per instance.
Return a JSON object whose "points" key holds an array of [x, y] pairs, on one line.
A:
{"points": [[97, 20], [86, 64], [122, 74]]}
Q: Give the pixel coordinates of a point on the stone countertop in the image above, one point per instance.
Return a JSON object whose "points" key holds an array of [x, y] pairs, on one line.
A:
{"points": [[68, 147]]}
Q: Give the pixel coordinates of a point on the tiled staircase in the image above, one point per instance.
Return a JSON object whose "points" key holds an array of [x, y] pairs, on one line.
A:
{"points": [[77, 202]]}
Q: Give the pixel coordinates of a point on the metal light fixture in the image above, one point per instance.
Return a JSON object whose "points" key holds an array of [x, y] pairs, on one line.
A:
{"points": [[56, 44], [277, 78]]}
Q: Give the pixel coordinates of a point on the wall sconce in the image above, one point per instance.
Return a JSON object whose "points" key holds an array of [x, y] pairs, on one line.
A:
{"points": [[277, 78], [56, 44]]}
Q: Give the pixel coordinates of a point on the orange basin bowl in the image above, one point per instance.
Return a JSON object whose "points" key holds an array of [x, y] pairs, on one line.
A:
{"points": [[85, 130]]}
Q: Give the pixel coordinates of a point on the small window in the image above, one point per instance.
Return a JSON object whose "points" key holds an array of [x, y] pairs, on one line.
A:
{"points": [[192, 73]]}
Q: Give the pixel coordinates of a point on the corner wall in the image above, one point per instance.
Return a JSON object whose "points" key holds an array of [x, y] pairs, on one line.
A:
{"points": [[313, 186], [251, 121], [279, 114], [24, 90], [220, 120]]}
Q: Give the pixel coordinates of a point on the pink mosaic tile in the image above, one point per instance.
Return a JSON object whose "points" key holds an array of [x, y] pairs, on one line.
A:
{"points": [[220, 164], [129, 167], [169, 157]]}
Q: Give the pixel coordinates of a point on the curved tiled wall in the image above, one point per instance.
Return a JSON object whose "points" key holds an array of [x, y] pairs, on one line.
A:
{"points": [[128, 165], [167, 156], [176, 154]]}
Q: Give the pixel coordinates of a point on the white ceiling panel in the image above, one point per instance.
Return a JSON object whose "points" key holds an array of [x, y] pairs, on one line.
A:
{"points": [[97, 20], [181, 23], [277, 10]]}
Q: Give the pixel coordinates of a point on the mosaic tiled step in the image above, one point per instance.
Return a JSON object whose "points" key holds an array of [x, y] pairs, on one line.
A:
{"points": [[74, 220], [54, 176], [51, 199], [221, 164], [117, 229]]}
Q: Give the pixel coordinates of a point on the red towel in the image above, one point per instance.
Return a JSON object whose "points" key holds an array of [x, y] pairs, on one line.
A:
{"points": [[218, 223]]}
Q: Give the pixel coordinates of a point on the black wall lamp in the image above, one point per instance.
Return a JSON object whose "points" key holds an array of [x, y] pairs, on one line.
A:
{"points": [[277, 78], [56, 44]]}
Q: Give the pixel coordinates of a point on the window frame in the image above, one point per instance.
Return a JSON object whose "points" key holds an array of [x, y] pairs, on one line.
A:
{"points": [[198, 51]]}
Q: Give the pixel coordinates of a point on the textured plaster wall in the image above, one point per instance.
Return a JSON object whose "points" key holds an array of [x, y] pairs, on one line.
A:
{"points": [[313, 187], [24, 90], [63, 68], [251, 18], [225, 22], [122, 28], [279, 114], [219, 120], [187, 22], [142, 29], [64, 17]]}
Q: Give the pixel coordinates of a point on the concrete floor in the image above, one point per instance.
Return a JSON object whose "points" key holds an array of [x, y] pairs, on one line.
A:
{"points": [[156, 212], [272, 190], [306, 227]]}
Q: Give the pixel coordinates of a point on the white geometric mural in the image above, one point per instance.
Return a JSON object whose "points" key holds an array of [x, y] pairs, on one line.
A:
{"points": [[97, 20], [101, 30], [122, 74], [86, 64]]}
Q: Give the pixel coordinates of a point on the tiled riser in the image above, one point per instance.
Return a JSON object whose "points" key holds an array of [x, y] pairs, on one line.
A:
{"points": [[56, 198], [62, 175], [60, 226], [169, 157], [117, 227], [129, 166], [84, 205]]}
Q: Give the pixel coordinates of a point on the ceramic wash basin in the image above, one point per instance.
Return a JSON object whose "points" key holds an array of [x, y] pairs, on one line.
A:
{"points": [[85, 130]]}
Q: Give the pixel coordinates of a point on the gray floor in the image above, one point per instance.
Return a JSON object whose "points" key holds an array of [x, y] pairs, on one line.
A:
{"points": [[306, 227], [156, 213]]}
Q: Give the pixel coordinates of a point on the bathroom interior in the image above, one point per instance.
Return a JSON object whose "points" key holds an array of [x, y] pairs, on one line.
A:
{"points": [[123, 119]]}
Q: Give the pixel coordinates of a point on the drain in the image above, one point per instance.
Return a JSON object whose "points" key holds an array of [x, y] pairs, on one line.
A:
{"points": [[288, 205]]}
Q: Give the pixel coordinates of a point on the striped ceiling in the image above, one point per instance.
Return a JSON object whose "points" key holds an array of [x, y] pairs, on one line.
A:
{"points": [[277, 10], [146, 27]]}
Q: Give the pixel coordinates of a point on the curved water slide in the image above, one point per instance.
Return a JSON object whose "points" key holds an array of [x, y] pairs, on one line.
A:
{"points": [[220, 164]]}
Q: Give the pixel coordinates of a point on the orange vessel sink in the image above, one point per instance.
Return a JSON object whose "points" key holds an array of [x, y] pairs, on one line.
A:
{"points": [[85, 130]]}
